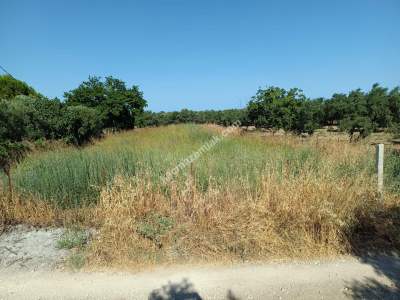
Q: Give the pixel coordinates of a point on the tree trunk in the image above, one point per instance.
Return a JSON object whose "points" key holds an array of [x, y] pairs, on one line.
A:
{"points": [[7, 170]]}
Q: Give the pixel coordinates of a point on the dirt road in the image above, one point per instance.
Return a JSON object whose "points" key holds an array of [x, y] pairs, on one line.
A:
{"points": [[348, 278]]}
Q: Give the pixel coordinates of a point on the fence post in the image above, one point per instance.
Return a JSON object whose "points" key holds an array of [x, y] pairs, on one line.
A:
{"points": [[379, 166]]}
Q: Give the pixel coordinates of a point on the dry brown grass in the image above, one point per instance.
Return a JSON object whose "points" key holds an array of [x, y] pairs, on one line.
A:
{"points": [[34, 212], [303, 217]]}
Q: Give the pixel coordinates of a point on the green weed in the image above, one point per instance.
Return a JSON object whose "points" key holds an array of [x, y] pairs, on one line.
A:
{"points": [[72, 239]]}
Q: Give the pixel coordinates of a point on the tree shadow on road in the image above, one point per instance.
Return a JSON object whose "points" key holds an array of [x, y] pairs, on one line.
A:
{"points": [[183, 290], [375, 240], [176, 291], [370, 288]]}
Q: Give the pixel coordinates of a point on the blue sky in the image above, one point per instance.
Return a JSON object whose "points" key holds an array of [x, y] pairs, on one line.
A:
{"points": [[203, 54]]}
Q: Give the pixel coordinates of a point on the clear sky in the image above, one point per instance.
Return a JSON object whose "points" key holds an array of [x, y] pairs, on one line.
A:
{"points": [[203, 54]]}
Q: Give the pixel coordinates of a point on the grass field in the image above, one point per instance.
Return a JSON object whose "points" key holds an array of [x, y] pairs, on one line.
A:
{"points": [[249, 197], [71, 177]]}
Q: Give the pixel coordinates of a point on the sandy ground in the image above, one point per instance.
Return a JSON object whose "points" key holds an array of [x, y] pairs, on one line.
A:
{"points": [[29, 249], [346, 278]]}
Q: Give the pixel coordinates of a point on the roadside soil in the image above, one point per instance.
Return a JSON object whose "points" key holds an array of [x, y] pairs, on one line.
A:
{"points": [[27, 248], [31, 268]]}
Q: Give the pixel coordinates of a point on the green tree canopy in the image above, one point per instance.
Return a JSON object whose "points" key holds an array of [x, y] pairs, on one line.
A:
{"points": [[11, 87], [275, 107], [117, 105], [30, 118], [394, 104], [377, 106], [13, 129]]}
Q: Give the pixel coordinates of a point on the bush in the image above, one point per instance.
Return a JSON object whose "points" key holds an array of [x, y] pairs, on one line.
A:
{"points": [[81, 124], [14, 127], [395, 130], [154, 227], [14, 122]]}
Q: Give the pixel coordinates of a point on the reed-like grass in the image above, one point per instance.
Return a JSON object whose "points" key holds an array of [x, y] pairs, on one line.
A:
{"points": [[72, 177]]}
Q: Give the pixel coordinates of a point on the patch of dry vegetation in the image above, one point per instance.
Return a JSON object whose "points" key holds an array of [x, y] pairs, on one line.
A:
{"points": [[291, 217], [40, 213]]}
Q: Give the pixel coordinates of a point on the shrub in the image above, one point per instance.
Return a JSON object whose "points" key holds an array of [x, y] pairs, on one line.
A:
{"points": [[395, 130], [76, 260], [154, 226], [81, 124]]}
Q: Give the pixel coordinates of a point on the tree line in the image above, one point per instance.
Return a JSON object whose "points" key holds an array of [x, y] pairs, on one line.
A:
{"points": [[221, 117], [276, 108]]}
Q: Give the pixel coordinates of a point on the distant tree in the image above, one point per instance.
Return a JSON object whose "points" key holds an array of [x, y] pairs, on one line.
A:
{"points": [[357, 104], [231, 116], [357, 111], [336, 108], [377, 104], [222, 117], [185, 116], [359, 124], [309, 116], [147, 119], [275, 107], [394, 104], [117, 105], [11, 87]]}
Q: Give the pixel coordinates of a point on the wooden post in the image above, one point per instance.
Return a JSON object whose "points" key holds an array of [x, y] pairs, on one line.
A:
{"points": [[379, 166]]}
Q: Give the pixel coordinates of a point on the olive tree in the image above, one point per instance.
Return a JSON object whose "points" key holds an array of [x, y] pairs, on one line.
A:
{"points": [[13, 128]]}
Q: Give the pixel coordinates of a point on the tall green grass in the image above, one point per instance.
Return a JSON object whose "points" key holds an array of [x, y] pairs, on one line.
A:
{"points": [[72, 177], [392, 171]]}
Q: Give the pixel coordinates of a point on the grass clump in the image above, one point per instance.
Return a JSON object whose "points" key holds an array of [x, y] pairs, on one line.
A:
{"points": [[392, 171], [73, 239], [154, 227], [76, 260]]}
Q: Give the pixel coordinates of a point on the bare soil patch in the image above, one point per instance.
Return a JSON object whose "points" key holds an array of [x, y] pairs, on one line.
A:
{"points": [[27, 248]]}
